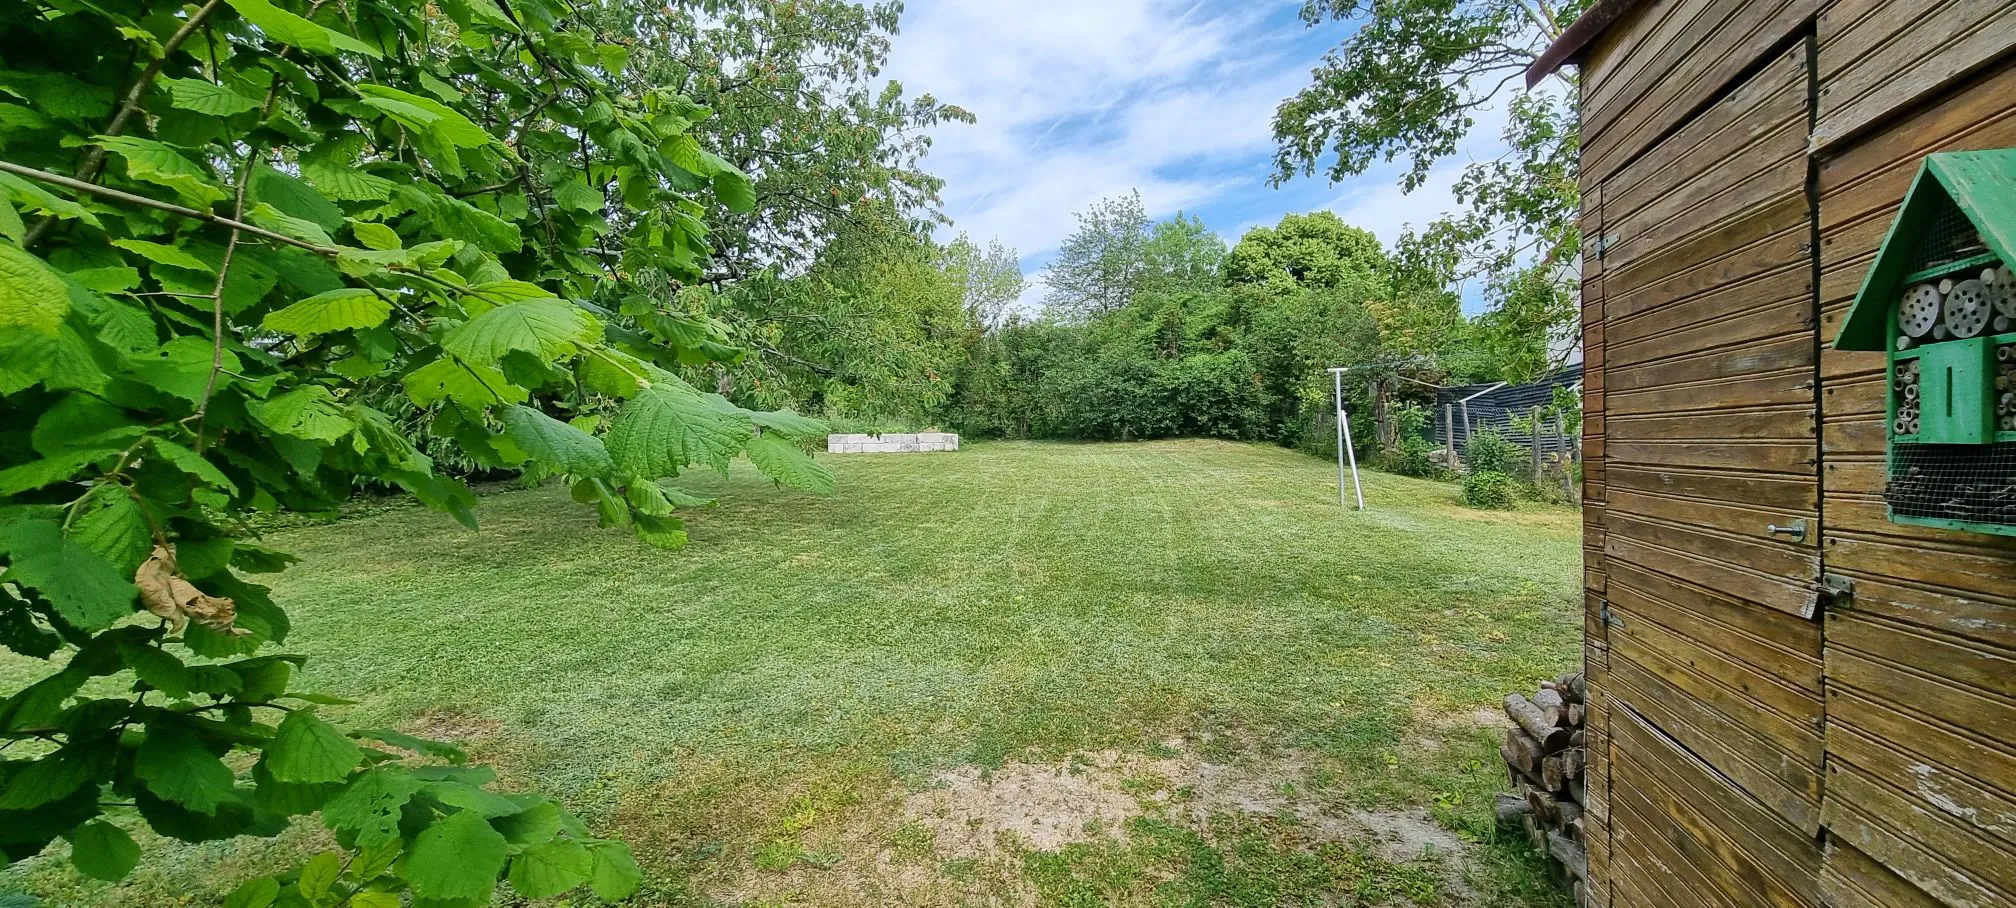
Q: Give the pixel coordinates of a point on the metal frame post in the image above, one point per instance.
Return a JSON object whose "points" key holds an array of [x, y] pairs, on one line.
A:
{"points": [[1344, 447]]}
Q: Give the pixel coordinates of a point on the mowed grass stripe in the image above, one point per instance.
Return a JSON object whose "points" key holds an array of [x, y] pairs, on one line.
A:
{"points": [[1008, 602]]}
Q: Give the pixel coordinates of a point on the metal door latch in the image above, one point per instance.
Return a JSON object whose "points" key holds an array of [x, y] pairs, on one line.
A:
{"points": [[1837, 593], [1796, 530]]}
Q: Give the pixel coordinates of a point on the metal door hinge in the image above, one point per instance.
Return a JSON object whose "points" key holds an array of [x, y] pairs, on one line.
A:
{"points": [[1837, 593], [1610, 618]]}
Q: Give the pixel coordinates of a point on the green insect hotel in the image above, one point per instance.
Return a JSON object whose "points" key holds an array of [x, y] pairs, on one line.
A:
{"points": [[1940, 300]]}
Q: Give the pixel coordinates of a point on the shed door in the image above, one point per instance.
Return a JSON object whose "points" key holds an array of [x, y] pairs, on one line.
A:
{"points": [[1711, 415]]}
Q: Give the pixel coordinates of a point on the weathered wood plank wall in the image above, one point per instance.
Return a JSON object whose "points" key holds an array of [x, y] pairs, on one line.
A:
{"points": [[1921, 670], [1744, 748]]}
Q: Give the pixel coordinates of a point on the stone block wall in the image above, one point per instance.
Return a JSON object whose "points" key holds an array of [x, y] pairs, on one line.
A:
{"points": [[892, 443]]}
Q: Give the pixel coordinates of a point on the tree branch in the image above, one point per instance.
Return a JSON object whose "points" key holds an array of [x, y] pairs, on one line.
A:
{"points": [[217, 300], [76, 185]]}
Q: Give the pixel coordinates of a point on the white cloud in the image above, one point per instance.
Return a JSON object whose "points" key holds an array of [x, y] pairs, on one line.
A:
{"points": [[1079, 101]]}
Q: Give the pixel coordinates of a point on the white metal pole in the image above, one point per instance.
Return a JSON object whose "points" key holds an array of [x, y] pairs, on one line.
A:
{"points": [[1339, 382], [1345, 449], [1345, 421]]}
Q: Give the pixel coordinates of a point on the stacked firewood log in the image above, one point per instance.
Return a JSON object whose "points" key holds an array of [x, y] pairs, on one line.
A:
{"points": [[1545, 752]]}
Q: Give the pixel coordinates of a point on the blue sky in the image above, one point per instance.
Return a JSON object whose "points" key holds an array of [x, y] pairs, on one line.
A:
{"points": [[1082, 99]]}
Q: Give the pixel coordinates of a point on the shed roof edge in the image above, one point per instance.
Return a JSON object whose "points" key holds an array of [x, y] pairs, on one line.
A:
{"points": [[1569, 47]]}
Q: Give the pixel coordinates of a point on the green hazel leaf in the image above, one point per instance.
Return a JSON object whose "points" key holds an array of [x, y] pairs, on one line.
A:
{"points": [[164, 254], [472, 385], [82, 586], [337, 310], [307, 749], [548, 869], [373, 235], [319, 874], [261, 680], [681, 498], [613, 373], [684, 151], [36, 474], [343, 180], [548, 329], [121, 325], [35, 199], [287, 28], [178, 767], [498, 293], [110, 279], [463, 221], [668, 533], [193, 464], [370, 806], [537, 823], [157, 667], [207, 97], [615, 876], [374, 899], [670, 426], [440, 88], [440, 119], [790, 424], [712, 164], [46, 780], [287, 799], [473, 797], [233, 817], [576, 194], [258, 892], [64, 361], [103, 851], [309, 412], [458, 857], [111, 523], [556, 445], [294, 198], [789, 466], [61, 95], [11, 225], [648, 498], [32, 297], [181, 367], [307, 231], [162, 165], [735, 191], [39, 705]]}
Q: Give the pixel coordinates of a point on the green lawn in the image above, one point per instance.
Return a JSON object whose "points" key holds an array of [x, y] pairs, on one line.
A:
{"points": [[1169, 673]]}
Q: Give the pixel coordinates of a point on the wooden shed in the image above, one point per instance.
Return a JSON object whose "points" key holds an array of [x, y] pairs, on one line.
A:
{"points": [[1795, 698]]}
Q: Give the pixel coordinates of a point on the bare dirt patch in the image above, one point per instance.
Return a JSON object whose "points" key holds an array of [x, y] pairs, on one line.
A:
{"points": [[986, 815], [453, 726]]}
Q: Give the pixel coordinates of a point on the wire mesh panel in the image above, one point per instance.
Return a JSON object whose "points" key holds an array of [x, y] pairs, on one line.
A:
{"points": [[1950, 237], [1973, 484]]}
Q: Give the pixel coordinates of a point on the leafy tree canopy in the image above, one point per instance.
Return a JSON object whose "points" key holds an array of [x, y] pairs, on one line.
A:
{"points": [[1316, 250], [254, 253], [1099, 267], [799, 105], [1410, 82]]}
